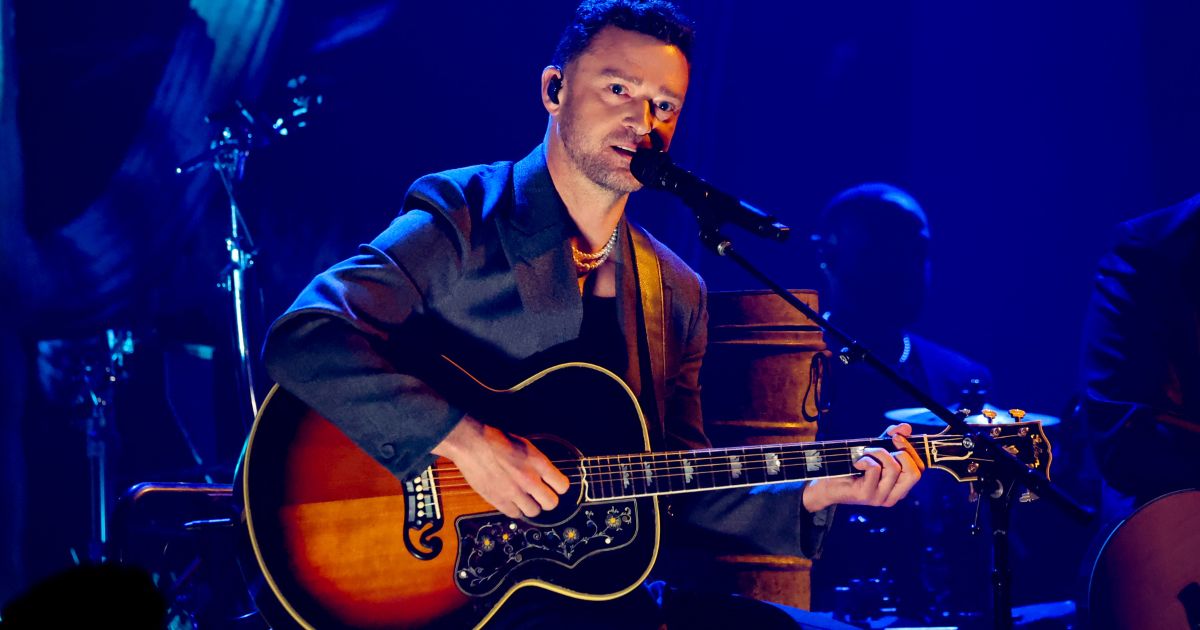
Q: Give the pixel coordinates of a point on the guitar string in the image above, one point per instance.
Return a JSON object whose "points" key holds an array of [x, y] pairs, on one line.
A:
{"points": [[822, 447], [787, 450], [840, 455], [610, 478], [462, 490], [448, 474], [466, 490]]}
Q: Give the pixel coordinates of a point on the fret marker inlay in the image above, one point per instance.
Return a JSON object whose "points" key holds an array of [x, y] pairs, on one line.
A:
{"points": [[773, 463], [812, 461]]}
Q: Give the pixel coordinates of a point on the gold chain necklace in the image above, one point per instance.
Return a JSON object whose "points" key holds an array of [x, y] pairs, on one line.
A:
{"points": [[586, 262]]}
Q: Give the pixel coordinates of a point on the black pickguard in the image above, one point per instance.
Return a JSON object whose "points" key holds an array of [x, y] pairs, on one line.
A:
{"points": [[492, 547], [587, 411]]}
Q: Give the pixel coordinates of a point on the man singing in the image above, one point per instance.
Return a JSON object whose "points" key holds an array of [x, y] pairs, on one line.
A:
{"points": [[537, 259]]}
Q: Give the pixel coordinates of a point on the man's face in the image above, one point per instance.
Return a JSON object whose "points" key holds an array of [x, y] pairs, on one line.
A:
{"points": [[615, 93]]}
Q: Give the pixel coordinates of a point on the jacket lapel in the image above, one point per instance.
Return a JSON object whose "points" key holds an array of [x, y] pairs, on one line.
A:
{"points": [[533, 236]]}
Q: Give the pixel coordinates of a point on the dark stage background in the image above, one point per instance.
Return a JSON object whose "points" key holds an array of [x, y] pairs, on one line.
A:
{"points": [[1026, 129]]}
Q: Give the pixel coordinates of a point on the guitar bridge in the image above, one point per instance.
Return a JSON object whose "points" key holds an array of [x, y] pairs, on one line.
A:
{"points": [[422, 515]]}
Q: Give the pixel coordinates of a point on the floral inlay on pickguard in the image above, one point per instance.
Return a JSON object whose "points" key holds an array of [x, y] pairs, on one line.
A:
{"points": [[491, 546]]}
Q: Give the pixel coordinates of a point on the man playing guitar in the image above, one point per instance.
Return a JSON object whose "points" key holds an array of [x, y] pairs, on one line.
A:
{"points": [[534, 262]]}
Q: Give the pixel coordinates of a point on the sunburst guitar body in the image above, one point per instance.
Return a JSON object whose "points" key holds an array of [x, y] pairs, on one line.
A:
{"points": [[335, 540]]}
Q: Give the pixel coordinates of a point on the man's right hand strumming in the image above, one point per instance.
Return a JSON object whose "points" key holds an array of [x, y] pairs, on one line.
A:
{"points": [[507, 471]]}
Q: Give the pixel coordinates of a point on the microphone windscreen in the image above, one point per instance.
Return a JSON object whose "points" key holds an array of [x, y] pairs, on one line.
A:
{"points": [[649, 166]]}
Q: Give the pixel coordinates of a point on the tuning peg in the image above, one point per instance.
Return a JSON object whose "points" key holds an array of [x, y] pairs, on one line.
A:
{"points": [[1017, 414], [1028, 497], [990, 415]]}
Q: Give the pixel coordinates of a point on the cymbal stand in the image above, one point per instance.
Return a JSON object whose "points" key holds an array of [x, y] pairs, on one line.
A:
{"points": [[227, 155], [99, 382], [230, 166]]}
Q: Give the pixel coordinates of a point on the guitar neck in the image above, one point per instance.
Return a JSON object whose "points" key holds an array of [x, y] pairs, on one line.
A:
{"points": [[675, 472]]}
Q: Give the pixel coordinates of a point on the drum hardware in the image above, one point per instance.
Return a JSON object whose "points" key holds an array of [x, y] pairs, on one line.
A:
{"points": [[711, 219], [239, 132], [91, 378], [990, 414], [182, 533], [89, 374]]}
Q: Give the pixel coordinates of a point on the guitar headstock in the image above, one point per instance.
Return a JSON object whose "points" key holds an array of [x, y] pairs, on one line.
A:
{"points": [[960, 456]]}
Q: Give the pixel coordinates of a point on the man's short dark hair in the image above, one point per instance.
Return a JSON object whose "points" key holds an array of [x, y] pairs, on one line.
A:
{"points": [[657, 18], [877, 204]]}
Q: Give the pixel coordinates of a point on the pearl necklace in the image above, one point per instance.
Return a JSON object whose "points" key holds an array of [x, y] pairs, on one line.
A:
{"points": [[586, 262]]}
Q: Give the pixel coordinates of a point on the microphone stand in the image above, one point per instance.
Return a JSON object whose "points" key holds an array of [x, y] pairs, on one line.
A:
{"points": [[1008, 471]]}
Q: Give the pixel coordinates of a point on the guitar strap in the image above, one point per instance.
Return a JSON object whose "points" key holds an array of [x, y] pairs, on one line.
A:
{"points": [[654, 316]]}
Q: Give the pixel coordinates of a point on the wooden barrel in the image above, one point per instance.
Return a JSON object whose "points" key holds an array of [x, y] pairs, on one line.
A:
{"points": [[759, 388], [757, 380]]}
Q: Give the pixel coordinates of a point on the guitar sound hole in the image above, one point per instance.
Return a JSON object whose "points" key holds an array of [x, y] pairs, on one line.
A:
{"points": [[1190, 598], [557, 450]]}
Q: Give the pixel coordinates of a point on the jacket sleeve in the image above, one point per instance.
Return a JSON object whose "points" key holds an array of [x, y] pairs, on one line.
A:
{"points": [[765, 519], [340, 345], [1130, 375]]}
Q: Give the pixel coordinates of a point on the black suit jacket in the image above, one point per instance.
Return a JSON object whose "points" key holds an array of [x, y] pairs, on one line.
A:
{"points": [[479, 265]]}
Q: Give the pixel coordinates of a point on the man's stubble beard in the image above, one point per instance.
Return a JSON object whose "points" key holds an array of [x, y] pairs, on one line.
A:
{"points": [[592, 164]]}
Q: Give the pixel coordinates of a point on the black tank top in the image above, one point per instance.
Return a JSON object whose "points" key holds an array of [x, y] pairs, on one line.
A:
{"points": [[600, 338]]}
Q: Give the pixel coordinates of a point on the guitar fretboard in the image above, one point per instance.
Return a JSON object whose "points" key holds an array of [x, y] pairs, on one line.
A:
{"points": [[672, 472]]}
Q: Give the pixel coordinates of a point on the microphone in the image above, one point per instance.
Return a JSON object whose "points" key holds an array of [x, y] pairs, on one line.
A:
{"points": [[654, 169]]}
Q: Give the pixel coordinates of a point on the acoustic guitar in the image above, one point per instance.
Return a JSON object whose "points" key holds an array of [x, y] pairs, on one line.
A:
{"points": [[1147, 574], [340, 542]]}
